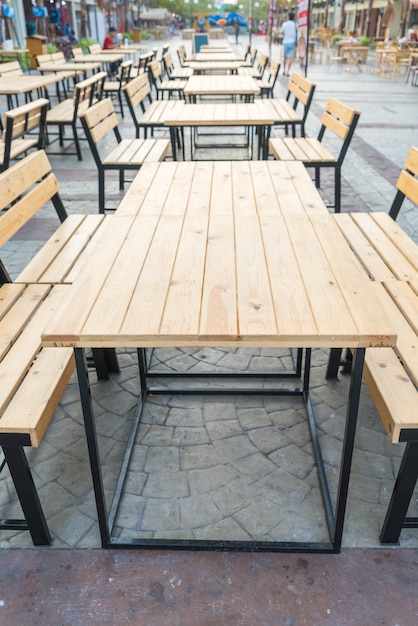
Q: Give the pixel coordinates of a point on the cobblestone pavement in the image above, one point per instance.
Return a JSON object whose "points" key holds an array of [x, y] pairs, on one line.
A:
{"points": [[226, 467]]}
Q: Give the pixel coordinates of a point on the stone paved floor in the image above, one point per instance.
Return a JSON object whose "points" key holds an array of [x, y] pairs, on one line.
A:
{"points": [[230, 467]]}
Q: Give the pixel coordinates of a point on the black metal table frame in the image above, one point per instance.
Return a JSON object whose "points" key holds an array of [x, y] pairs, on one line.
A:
{"points": [[334, 517], [263, 131]]}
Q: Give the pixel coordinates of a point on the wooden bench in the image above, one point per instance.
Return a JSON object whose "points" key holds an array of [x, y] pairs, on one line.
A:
{"points": [[33, 378], [65, 114], [390, 258], [128, 154], [18, 123], [339, 119]]}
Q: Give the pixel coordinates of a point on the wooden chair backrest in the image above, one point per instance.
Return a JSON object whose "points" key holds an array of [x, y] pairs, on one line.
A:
{"points": [[155, 69], [408, 178], [87, 89], [253, 55], [262, 61], [99, 119], [11, 68], [58, 57], [25, 118], [182, 52], [407, 183], [20, 121], [168, 62], [43, 59], [339, 118], [125, 71], [301, 88], [274, 68], [77, 52], [26, 186], [95, 48], [137, 90]]}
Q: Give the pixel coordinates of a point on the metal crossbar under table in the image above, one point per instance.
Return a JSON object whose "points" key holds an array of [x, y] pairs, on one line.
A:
{"points": [[334, 516]]}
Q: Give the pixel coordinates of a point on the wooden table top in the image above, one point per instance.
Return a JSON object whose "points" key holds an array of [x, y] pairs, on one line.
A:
{"points": [[24, 84], [220, 254], [70, 66], [198, 85], [214, 66], [219, 114], [111, 57], [206, 57]]}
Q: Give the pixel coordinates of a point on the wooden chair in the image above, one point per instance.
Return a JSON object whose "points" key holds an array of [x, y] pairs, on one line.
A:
{"points": [[128, 154], [11, 69], [138, 94], [257, 70], [407, 184], [172, 72], [182, 55], [339, 119], [300, 92], [267, 86], [114, 87], [18, 123], [65, 114], [164, 86]]}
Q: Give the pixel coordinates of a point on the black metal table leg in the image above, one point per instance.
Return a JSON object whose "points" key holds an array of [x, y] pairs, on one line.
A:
{"points": [[91, 437], [348, 444]]}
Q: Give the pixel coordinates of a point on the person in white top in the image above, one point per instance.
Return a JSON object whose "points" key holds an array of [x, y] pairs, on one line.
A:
{"points": [[290, 34]]}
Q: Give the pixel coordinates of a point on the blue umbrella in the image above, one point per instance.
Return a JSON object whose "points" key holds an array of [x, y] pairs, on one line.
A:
{"points": [[234, 17]]}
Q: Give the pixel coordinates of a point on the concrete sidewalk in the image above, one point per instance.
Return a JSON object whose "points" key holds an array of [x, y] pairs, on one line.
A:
{"points": [[180, 484]]}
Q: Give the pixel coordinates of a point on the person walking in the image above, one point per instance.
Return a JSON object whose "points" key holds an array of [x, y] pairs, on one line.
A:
{"points": [[290, 34]]}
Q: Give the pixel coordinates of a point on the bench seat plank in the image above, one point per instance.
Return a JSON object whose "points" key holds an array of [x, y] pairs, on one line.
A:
{"points": [[39, 374], [61, 257]]}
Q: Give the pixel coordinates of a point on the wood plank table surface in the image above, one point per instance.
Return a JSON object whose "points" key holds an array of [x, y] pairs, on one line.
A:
{"points": [[206, 57], [205, 67], [70, 66], [222, 85], [102, 57], [16, 85], [248, 115], [188, 214], [221, 254]]}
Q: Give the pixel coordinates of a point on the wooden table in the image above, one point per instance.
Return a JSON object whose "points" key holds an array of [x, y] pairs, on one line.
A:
{"points": [[20, 85], [206, 57], [248, 115], [354, 55], [205, 67], [221, 254], [70, 67], [221, 85]]}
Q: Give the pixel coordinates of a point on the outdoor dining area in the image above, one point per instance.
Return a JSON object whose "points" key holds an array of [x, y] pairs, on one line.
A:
{"points": [[193, 357]]}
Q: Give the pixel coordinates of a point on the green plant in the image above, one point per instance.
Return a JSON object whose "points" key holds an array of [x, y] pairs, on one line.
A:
{"points": [[144, 34], [365, 41], [85, 43], [51, 48]]}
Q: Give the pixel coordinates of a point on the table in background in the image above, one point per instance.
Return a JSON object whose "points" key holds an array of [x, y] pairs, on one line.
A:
{"points": [[226, 115], [222, 85], [222, 254]]}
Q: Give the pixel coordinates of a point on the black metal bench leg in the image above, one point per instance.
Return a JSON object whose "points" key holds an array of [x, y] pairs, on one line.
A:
{"points": [[337, 196], [27, 494], [401, 496]]}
